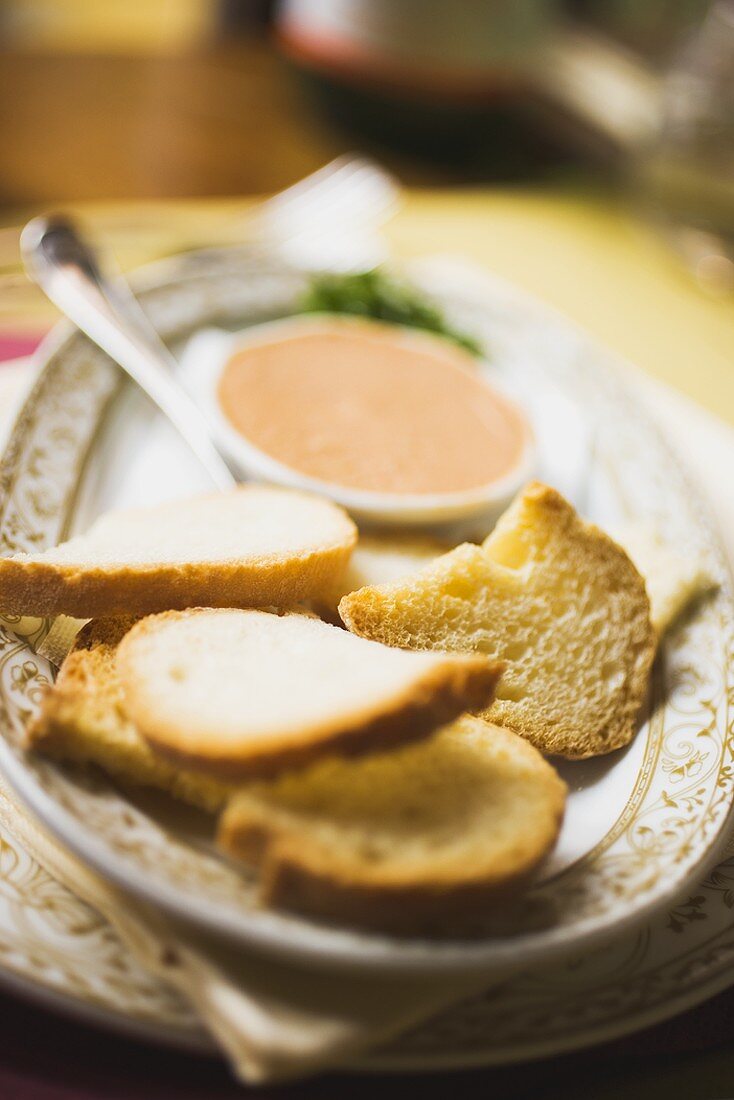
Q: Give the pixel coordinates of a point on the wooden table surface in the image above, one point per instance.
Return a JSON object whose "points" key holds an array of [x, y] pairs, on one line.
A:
{"points": [[220, 119]]}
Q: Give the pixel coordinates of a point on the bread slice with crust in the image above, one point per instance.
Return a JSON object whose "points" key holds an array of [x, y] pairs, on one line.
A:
{"points": [[555, 599], [83, 718], [249, 547], [401, 840], [246, 693], [673, 580]]}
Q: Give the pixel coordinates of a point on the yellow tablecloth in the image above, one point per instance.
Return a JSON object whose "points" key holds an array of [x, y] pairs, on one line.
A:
{"points": [[599, 264], [587, 255]]}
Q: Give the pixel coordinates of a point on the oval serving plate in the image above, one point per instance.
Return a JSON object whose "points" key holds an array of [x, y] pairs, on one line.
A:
{"points": [[640, 823]]}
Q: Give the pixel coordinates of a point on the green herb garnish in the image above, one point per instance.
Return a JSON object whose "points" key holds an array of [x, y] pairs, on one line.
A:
{"points": [[375, 294]]}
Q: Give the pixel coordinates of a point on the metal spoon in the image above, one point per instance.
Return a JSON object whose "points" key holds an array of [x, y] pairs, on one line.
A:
{"points": [[64, 265]]}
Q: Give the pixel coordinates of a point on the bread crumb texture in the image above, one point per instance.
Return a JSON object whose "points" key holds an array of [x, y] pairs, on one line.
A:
{"points": [[552, 597]]}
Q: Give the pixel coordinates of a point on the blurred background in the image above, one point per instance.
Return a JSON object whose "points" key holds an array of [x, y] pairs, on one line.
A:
{"points": [[162, 98], [151, 104], [121, 99]]}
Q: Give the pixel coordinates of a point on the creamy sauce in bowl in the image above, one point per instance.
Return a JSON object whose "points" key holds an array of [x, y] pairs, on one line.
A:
{"points": [[373, 408], [362, 405]]}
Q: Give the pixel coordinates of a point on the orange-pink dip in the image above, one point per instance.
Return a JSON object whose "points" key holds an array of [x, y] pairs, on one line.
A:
{"points": [[372, 407]]}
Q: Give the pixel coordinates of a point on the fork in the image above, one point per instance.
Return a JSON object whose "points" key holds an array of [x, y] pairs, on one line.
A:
{"points": [[334, 215], [344, 203]]}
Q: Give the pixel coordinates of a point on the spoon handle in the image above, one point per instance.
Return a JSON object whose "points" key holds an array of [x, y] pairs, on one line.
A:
{"points": [[64, 265]]}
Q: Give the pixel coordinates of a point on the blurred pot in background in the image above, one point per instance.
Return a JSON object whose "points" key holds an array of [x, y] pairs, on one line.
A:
{"points": [[492, 85], [443, 81]]}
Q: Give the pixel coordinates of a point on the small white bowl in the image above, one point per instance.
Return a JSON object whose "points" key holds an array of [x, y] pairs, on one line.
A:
{"points": [[202, 363]]}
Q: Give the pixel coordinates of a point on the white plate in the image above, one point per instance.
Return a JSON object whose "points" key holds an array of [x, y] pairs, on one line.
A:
{"points": [[640, 823]]}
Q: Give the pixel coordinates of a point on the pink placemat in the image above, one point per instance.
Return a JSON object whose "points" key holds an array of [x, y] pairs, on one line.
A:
{"points": [[18, 345]]}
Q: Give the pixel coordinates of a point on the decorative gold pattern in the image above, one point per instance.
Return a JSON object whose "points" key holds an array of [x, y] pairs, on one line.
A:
{"points": [[680, 801], [633, 980], [52, 941]]}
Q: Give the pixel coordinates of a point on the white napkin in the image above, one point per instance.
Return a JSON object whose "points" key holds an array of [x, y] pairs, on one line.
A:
{"points": [[273, 1020]]}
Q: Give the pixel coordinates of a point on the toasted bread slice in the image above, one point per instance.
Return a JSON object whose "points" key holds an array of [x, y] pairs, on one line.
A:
{"points": [[553, 597], [246, 693], [250, 547], [380, 558], [402, 839], [673, 581], [83, 718]]}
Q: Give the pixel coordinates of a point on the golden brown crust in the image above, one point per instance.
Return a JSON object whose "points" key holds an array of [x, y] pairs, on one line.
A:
{"points": [[299, 873], [82, 719], [379, 613], [438, 699], [642, 643], [448, 689], [49, 728], [46, 588], [622, 724], [287, 883]]}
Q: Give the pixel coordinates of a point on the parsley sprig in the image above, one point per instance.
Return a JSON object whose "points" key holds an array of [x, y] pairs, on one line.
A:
{"points": [[376, 294]]}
